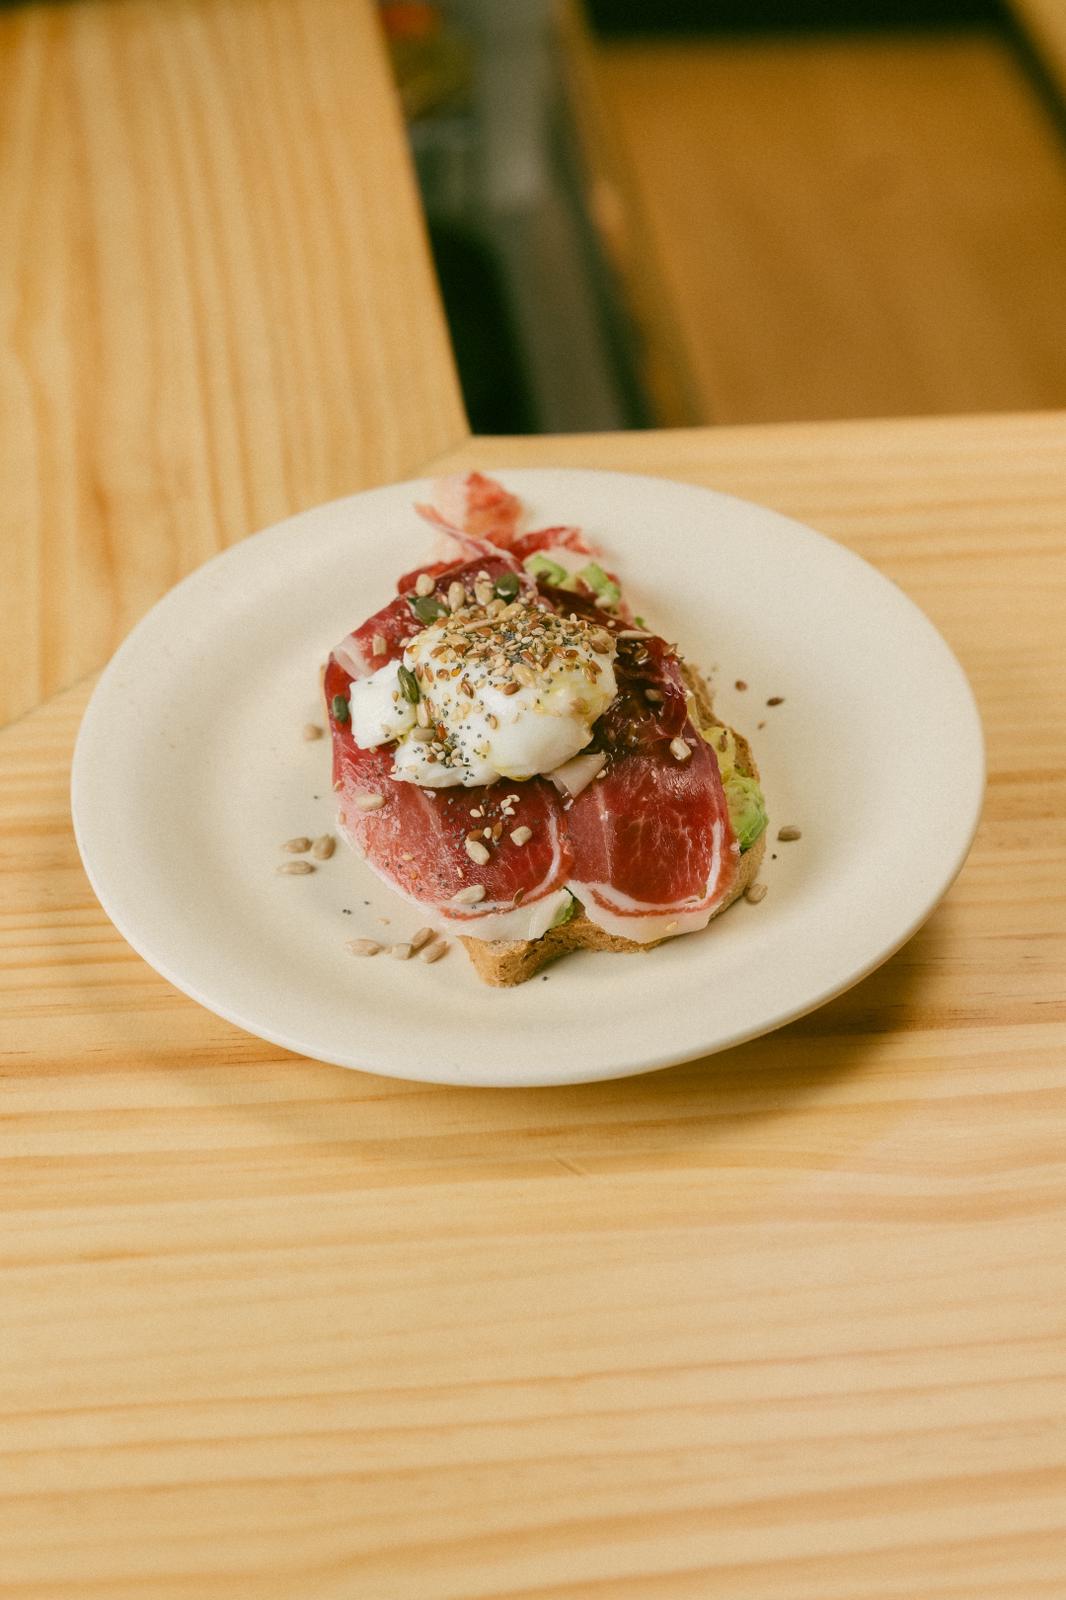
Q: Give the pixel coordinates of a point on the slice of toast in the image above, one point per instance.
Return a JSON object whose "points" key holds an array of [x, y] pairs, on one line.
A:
{"points": [[505, 962]]}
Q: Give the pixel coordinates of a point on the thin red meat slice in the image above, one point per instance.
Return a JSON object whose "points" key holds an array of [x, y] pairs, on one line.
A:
{"points": [[416, 841]]}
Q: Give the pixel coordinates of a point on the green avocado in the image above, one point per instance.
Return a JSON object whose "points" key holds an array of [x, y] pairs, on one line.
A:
{"points": [[747, 808], [600, 584], [564, 913], [541, 566]]}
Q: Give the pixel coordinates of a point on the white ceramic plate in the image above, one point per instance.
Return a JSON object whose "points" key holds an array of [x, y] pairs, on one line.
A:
{"points": [[190, 770]]}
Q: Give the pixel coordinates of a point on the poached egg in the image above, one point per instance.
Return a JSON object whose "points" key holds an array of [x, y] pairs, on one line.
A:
{"points": [[487, 692]]}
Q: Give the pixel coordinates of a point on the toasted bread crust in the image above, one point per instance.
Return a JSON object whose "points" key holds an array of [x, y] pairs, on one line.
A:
{"points": [[506, 962]]}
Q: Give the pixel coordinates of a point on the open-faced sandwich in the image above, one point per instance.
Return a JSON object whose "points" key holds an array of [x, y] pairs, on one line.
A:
{"points": [[533, 768]]}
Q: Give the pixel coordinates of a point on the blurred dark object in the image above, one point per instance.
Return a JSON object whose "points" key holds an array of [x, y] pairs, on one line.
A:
{"points": [[430, 60], [645, 17], [487, 350], [541, 333]]}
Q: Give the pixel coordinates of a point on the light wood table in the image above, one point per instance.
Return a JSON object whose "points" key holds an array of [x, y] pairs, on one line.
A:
{"points": [[785, 1324]]}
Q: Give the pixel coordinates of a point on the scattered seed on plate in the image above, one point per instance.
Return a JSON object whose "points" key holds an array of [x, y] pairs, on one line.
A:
{"points": [[786, 835], [298, 846], [755, 892], [679, 749], [296, 869], [369, 802], [477, 851], [363, 947], [312, 730], [423, 936], [400, 952], [323, 847], [740, 684], [522, 835], [424, 584], [776, 700], [434, 951]]}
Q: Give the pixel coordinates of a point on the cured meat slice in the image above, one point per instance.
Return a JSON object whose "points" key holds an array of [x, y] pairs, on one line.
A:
{"points": [[416, 838], [653, 849]]}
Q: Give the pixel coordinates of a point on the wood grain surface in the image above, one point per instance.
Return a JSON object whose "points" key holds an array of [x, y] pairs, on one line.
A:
{"points": [[850, 226], [784, 1324], [216, 303]]}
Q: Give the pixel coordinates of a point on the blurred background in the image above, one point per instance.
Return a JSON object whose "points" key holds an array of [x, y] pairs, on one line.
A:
{"points": [[673, 213]]}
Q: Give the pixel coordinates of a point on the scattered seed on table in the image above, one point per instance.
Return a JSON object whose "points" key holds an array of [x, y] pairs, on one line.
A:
{"points": [[298, 846], [363, 947], [312, 730], [296, 869], [755, 892], [324, 847], [786, 835]]}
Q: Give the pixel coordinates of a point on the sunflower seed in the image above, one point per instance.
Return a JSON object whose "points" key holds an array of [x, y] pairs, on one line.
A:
{"points": [[296, 869], [423, 936], [369, 802], [755, 892], [312, 730], [424, 584], [787, 834], [456, 596], [323, 847], [522, 835], [363, 947], [298, 846], [477, 852], [434, 951], [469, 896], [400, 952], [679, 749]]}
